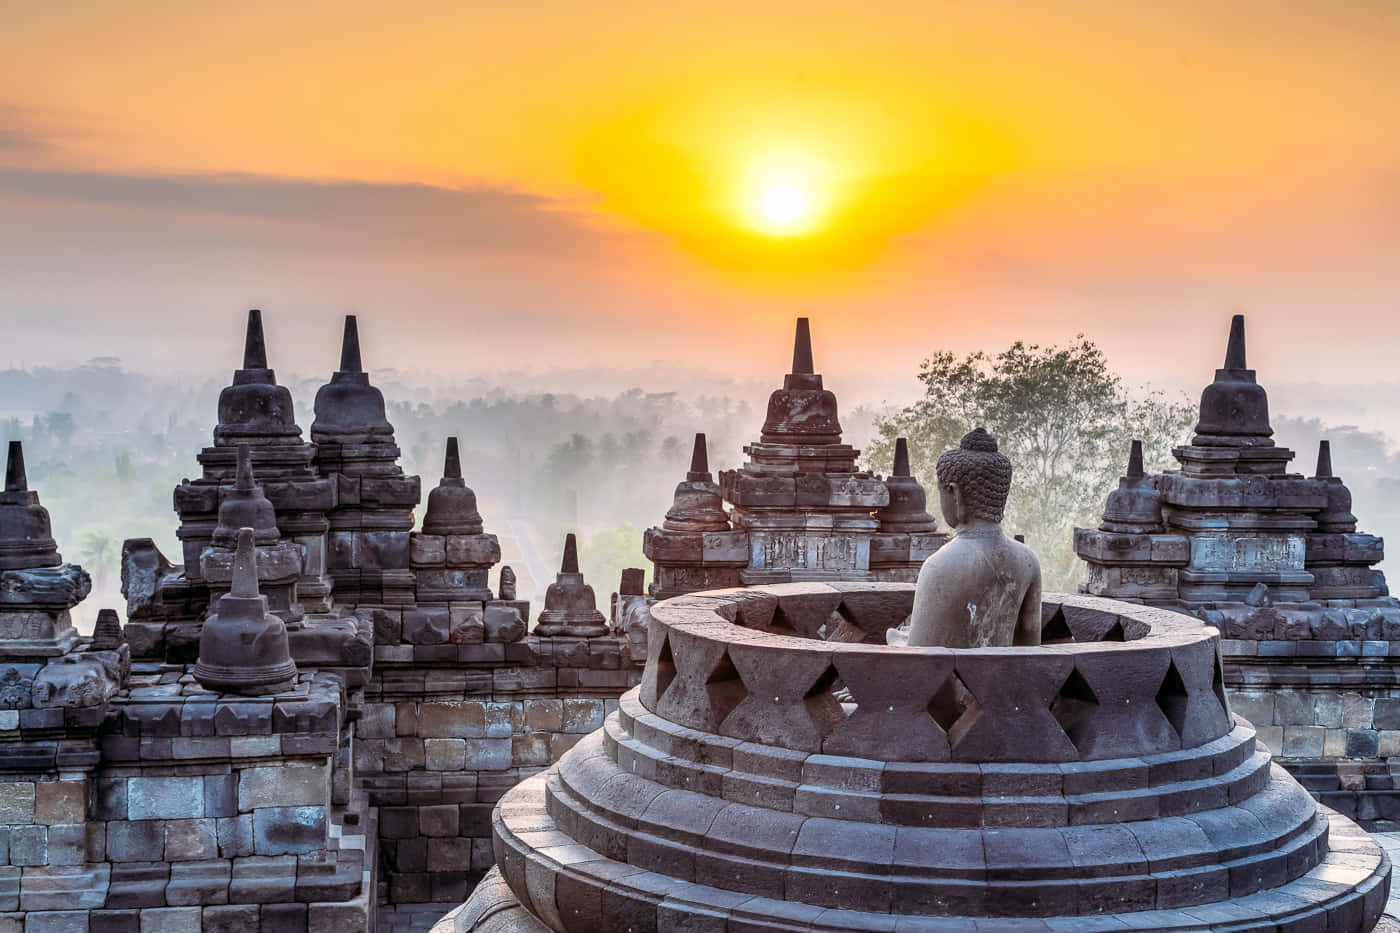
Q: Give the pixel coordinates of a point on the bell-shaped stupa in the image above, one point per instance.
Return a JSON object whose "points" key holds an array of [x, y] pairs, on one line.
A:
{"points": [[254, 407], [243, 647], [349, 409], [570, 607], [698, 505], [26, 538], [907, 512], [1135, 507]]}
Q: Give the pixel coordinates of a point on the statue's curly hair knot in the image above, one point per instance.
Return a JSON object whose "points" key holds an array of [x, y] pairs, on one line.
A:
{"points": [[981, 472]]}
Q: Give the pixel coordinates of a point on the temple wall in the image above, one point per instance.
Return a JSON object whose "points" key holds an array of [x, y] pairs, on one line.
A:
{"points": [[448, 729], [204, 812], [1330, 711]]}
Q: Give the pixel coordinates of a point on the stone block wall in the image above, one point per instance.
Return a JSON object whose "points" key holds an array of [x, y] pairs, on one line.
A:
{"points": [[1327, 707], [206, 812], [442, 738]]}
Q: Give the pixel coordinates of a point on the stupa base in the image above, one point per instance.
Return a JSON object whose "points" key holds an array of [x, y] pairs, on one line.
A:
{"points": [[574, 888]]}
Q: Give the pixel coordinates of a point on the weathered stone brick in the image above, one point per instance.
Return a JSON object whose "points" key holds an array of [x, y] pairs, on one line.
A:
{"points": [[235, 835], [1387, 713], [164, 798], [136, 841], [115, 921], [191, 840], [426, 626], [289, 830], [67, 844], [561, 742], [1357, 711], [427, 550], [438, 820], [220, 795], [582, 714], [377, 722], [406, 718], [16, 802], [336, 918], [290, 918], [449, 854], [1362, 743], [445, 754], [230, 918], [56, 921], [530, 749], [467, 626], [488, 754], [456, 719], [60, 802], [170, 919], [198, 883], [263, 880], [405, 754], [292, 784], [543, 715], [1302, 741], [29, 845]]}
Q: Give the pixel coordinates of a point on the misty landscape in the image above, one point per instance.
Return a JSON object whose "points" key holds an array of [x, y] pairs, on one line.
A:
{"points": [[107, 443]]}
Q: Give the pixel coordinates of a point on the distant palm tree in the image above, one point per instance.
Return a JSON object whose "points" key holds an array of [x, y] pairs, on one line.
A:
{"points": [[99, 554]]}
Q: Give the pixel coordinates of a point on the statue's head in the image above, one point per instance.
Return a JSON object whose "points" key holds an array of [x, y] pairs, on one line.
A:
{"points": [[974, 480]]}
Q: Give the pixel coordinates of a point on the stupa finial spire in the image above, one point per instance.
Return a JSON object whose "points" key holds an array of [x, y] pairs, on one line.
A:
{"points": [[350, 346], [802, 349], [901, 457], [570, 564], [243, 473], [15, 478], [1324, 460], [1135, 469], [699, 456], [254, 346], [245, 567], [1234, 352], [452, 461]]}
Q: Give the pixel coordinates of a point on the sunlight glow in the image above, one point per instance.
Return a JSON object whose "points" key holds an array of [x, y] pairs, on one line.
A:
{"points": [[784, 204]]}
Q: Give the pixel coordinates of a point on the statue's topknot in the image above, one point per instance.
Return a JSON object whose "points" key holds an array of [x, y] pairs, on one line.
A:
{"points": [[981, 472], [979, 440]]}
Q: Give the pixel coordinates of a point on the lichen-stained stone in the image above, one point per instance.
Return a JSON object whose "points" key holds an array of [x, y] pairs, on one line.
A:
{"points": [[164, 798], [289, 830], [289, 784], [17, 802]]}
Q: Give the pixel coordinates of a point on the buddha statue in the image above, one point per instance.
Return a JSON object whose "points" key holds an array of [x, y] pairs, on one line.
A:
{"points": [[982, 588]]}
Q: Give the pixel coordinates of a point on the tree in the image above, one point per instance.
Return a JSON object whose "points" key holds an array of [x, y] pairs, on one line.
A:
{"points": [[1063, 417], [100, 553]]}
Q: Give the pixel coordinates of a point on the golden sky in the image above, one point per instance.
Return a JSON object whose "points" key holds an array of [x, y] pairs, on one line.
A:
{"points": [[959, 173]]}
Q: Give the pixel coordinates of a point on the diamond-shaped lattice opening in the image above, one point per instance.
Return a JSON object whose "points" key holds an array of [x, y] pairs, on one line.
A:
{"points": [[1217, 684], [783, 623], [841, 626], [1172, 698], [1056, 630], [725, 688], [1074, 706], [826, 711], [665, 668], [1115, 632], [952, 702]]}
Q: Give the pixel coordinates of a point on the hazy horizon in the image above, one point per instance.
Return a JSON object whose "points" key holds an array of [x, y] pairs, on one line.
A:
{"points": [[559, 188]]}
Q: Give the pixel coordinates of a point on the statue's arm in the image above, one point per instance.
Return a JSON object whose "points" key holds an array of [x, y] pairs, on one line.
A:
{"points": [[1028, 622], [923, 619]]}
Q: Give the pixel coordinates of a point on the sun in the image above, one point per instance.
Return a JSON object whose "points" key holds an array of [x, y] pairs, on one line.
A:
{"points": [[784, 204]]}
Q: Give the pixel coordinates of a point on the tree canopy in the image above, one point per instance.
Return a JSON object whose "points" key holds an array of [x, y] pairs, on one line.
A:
{"points": [[1063, 417]]}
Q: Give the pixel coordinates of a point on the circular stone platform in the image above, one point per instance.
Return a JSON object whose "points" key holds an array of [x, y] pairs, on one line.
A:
{"points": [[1097, 782]]}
